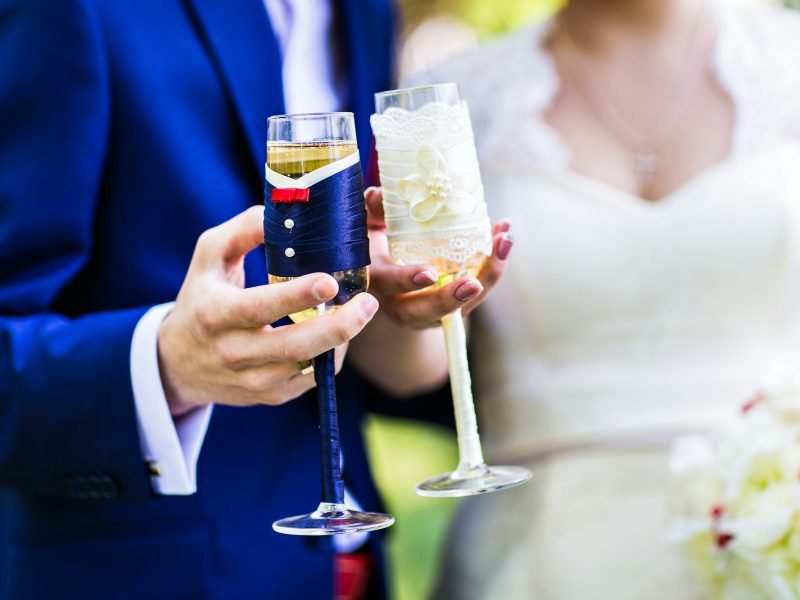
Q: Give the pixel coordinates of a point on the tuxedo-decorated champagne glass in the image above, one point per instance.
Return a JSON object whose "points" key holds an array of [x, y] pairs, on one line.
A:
{"points": [[315, 221], [436, 214]]}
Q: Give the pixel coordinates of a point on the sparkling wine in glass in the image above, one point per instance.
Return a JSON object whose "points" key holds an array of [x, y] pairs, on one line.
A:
{"points": [[436, 214], [314, 220]]}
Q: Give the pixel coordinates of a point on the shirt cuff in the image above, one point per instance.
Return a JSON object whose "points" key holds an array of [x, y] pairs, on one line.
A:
{"points": [[170, 446]]}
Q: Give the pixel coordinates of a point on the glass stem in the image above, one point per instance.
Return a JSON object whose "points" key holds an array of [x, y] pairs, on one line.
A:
{"points": [[324, 375], [469, 442]]}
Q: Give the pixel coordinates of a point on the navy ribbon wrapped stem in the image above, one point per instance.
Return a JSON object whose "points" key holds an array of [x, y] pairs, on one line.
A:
{"points": [[324, 231], [331, 452]]}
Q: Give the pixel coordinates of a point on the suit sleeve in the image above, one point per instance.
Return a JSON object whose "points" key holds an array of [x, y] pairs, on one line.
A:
{"points": [[67, 417]]}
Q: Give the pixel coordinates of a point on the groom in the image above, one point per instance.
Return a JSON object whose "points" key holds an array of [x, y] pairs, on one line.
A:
{"points": [[128, 129]]}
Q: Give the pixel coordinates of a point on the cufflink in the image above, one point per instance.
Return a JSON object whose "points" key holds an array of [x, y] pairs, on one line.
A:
{"points": [[153, 469]]}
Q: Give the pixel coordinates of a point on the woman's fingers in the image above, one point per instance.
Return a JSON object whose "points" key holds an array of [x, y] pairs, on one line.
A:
{"points": [[426, 308], [373, 198], [387, 278], [502, 226], [405, 291], [494, 266]]}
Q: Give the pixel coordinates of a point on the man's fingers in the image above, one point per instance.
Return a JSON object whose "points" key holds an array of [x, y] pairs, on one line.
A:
{"points": [[297, 386], [373, 198], [339, 354], [311, 338], [234, 238], [265, 304], [275, 383]]}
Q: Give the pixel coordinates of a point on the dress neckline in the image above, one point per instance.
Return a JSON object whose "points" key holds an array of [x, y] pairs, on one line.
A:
{"points": [[561, 150], [600, 190]]}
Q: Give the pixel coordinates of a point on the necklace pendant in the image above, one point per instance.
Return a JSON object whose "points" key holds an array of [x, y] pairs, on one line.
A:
{"points": [[644, 167]]}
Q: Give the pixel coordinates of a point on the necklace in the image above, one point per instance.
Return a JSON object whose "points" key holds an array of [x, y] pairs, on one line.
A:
{"points": [[643, 143]]}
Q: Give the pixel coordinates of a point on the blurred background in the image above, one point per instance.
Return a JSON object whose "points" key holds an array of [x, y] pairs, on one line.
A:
{"points": [[405, 452]]}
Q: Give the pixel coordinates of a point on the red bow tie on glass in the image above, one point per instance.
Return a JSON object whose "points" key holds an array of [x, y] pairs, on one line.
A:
{"points": [[289, 195]]}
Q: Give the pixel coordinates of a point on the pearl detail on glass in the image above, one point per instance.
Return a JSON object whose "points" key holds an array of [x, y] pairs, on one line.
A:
{"points": [[438, 187], [289, 252]]}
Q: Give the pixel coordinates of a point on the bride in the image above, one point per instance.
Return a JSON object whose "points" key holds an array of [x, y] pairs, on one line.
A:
{"points": [[648, 154]]}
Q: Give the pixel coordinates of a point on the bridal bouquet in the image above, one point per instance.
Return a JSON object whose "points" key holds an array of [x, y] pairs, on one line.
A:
{"points": [[735, 502]]}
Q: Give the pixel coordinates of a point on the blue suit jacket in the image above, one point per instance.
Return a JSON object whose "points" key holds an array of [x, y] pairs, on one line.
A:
{"points": [[126, 129]]}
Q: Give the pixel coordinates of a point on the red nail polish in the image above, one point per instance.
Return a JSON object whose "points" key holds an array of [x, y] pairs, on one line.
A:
{"points": [[504, 247]]}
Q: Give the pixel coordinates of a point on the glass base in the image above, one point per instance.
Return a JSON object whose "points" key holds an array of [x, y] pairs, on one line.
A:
{"points": [[332, 519], [479, 480]]}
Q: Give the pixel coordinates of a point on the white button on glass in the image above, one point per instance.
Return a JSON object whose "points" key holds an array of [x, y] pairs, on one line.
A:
{"points": [[289, 252]]}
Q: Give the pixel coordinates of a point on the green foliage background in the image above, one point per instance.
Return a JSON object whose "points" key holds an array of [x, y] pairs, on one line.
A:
{"points": [[402, 454], [486, 17]]}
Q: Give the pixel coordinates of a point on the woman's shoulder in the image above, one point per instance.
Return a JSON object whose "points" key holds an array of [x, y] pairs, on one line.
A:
{"points": [[763, 39], [499, 68], [492, 53], [762, 30], [502, 80], [758, 60]]}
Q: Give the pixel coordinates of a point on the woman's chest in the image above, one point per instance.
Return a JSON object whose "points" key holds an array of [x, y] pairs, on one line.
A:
{"points": [[650, 142], [716, 255]]}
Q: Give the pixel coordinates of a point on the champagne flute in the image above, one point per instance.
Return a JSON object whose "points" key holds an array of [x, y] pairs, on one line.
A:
{"points": [[315, 220], [436, 214]]}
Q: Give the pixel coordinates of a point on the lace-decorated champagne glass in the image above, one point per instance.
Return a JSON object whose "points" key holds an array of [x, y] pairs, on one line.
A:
{"points": [[436, 214], [315, 221]]}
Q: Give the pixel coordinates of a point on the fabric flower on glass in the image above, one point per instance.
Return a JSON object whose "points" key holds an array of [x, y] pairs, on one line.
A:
{"points": [[433, 187]]}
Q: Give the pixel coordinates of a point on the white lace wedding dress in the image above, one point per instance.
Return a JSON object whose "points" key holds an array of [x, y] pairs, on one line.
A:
{"points": [[620, 323]]}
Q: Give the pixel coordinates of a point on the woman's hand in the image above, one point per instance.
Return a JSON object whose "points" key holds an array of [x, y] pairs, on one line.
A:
{"points": [[399, 350], [406, 294]]}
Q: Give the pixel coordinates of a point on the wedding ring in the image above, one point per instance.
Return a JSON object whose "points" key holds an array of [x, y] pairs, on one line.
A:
{"points": [[306, 367]]}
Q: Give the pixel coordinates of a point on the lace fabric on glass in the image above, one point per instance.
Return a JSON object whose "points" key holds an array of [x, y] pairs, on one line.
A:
{"points": [[432, 191]]}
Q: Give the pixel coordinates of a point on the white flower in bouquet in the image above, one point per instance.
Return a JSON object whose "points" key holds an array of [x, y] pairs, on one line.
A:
{"points": [[735, 502]]}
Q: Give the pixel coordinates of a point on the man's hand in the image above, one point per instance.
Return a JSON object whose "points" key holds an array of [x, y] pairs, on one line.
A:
{"points": [[217, 344], [400, 288]]}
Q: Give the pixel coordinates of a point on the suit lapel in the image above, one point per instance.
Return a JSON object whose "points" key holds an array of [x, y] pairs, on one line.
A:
{"points": [[245, 52]]}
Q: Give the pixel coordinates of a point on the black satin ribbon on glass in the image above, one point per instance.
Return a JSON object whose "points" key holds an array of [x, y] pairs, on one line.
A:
{"points": [[329, 232]]}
